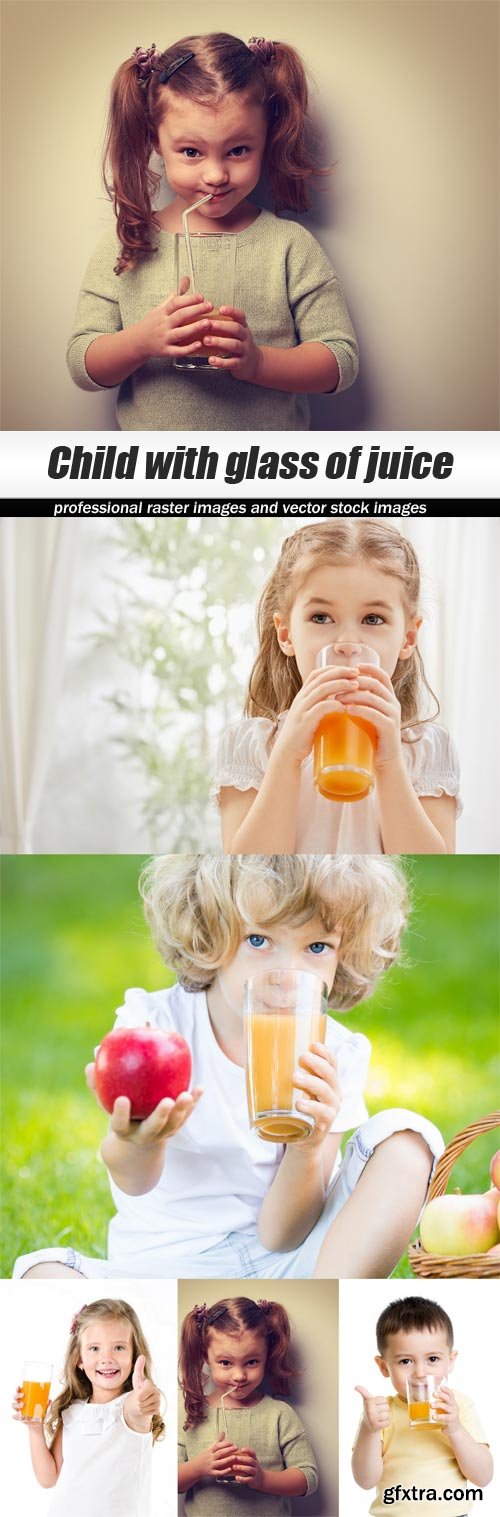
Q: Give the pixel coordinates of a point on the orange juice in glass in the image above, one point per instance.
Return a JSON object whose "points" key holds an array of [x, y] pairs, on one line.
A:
{"points": [[419, 1395], [284, 1012], [344, 745], [37, 1375]]}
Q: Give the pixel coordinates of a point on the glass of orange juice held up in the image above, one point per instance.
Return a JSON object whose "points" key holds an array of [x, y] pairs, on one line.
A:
{"points": [[419, 1395], [37, 1375], [284, 1012], [214, 263], [344, 745]]}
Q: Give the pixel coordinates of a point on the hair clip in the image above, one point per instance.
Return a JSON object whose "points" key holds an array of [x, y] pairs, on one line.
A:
{"points": [[200, 1312], [265, 1306], [212, 1316], [263, 47], [75, 1319], [144, 62], [167, 72]]}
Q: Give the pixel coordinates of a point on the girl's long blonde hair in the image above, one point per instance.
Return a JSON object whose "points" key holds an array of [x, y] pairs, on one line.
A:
{"points": [[200, 906], [76, 1385], [275, 679]]}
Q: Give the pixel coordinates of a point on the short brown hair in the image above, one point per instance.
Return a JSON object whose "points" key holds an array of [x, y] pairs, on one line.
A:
{"points": [[412, 1312]]}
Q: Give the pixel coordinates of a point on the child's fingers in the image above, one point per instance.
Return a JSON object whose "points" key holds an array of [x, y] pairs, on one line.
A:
{"points": [[320, 1063], [189, 324], [219, 344], [90, 1076], [322, 1114], [235, 313], [330, 672], [380, 676], [181, 1109], [313, 1085], [224, 363], [377, 699], [120, 1116], [176, 303]]}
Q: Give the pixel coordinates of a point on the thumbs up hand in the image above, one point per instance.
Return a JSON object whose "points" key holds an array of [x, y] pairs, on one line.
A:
{"points": [[144, 1398], [376, 1413]]}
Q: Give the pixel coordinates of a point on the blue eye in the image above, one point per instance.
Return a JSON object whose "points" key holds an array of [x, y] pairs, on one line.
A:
{"points": [[373, 619], [190, 150], [256, 940], [321, 617], [318, 948]]}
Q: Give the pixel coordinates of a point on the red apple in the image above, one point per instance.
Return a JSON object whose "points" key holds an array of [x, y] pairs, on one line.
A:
{"points": [[144, 1065], [495, 1169]]}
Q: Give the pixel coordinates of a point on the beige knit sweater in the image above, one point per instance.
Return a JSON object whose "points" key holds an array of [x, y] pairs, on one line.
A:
{"points": [[290, 294], [275, 1433]]}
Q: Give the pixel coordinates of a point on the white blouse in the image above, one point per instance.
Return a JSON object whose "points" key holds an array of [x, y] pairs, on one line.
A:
{"points": [[328, 826], [106, 1465]]}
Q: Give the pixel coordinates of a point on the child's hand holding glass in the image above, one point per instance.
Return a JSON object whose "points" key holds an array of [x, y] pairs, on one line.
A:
{"points": [[321, 691], [232, 345], [248, 1471], [446, 1404], [317, 1076], [217, 1461], [373, 697], [176, 327]]}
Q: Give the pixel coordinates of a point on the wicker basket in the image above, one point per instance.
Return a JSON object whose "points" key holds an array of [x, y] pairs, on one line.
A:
{"points": [[475, 1266]]}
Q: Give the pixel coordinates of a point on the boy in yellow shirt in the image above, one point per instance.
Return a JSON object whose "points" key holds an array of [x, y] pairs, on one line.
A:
{"points": [[415, 1467]]}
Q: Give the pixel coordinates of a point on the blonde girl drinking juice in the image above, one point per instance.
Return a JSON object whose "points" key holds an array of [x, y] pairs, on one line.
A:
{"points": [[198, 1193], [95, 1443], [237, 1343], [219, 113], [349, 585]]}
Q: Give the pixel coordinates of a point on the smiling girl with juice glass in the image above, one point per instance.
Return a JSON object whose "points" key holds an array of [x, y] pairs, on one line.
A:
{"points": [[95, 1442], [198, 1193]]}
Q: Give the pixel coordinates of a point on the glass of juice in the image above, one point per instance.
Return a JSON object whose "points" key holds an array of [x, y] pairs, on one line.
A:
{"points": [[234, 1422], [284, 1012], [419, 1395], [37, 1375], [214, 263], [344, 745]]}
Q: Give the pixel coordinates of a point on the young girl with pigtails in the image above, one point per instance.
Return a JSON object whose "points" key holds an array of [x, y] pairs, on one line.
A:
{"points": [[237, 1440], [95, 1443], [218, 112]]}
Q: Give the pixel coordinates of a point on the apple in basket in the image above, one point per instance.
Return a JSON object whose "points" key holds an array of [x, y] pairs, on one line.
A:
{"points": [[144, 1064], [495, 1169], [460, 1225]]}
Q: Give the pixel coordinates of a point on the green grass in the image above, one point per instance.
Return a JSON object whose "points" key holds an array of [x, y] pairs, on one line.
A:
{"points": [[74, 939]]}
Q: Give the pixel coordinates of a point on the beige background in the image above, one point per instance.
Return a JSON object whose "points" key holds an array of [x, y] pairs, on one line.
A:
{"points": [[313, 1309], [407, 92]]}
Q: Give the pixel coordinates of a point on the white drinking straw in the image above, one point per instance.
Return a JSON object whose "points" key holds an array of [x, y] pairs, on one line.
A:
{"points": [[224, 1414], [187, 241]]}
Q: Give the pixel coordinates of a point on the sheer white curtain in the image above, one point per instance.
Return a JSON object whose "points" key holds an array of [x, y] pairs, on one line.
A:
{"points": [[37, 558], [459, 558]]}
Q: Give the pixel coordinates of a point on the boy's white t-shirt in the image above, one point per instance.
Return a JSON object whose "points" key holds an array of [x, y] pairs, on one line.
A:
{"points": [[217, 1171], [324, 825]]}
